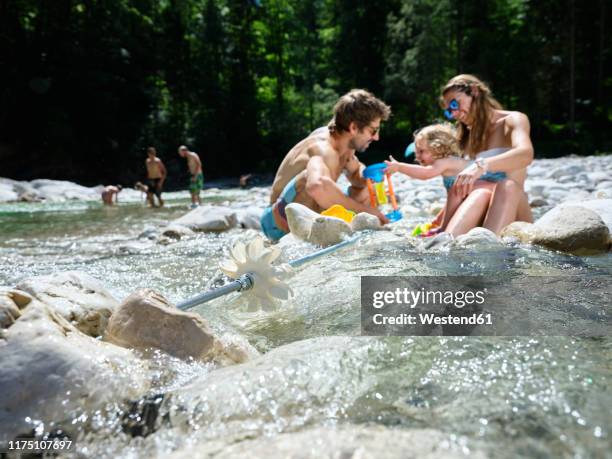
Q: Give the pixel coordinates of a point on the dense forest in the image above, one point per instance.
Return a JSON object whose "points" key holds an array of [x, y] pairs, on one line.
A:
{"points": [[87, 85]]}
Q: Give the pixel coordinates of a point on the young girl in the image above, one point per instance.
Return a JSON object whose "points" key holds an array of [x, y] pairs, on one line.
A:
{"points": [[438, 153]]}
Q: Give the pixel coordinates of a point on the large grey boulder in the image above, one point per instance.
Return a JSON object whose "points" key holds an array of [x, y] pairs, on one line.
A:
{"points": [[567, 228], [51, 372], [146, 320], [76, 296], [208, 218]]}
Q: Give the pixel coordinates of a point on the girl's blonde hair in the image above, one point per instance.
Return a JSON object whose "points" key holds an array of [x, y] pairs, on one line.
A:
{"points": [[441, 138], [473, 140]]}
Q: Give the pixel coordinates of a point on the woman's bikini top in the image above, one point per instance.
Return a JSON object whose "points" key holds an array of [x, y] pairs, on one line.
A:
{"points": [[449, 180]]}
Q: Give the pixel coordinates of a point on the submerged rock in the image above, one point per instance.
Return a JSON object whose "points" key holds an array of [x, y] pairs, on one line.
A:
{"points": [[208, 218], [51, 372], [345, 441], [76, 296], [147, 320], [567, 228]]}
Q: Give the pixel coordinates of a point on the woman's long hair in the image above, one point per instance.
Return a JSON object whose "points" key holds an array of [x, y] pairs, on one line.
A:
{"points": [[474, 140]]}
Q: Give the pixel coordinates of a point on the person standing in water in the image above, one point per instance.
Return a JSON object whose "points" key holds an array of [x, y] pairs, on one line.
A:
{"points": [[196, 180], [156, 175], [109, 192]]}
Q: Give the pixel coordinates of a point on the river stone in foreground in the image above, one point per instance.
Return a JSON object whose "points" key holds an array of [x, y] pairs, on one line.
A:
{"points": [[76, 296], [50, 371], [567, 228], [147, 320], [351, 442]]}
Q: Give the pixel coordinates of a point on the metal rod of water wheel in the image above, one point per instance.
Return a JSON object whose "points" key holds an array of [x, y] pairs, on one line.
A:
{"points": [[246, 281]]}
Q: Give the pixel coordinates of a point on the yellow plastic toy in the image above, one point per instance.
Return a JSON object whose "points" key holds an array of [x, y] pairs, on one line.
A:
{"points": [[423, 228], [340, 212]]}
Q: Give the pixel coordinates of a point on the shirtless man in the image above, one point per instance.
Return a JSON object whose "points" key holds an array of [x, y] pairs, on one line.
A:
{"points": [[309, 172], [156, 175], [108, 192], [196, 181]]}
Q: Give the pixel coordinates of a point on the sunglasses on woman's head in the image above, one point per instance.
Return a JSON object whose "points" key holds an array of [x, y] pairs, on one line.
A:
{"points": [[453, 105]]}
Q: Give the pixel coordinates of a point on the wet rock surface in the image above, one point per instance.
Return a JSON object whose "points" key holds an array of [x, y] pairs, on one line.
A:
{"points": [[51, 371], [76, 296], [146, 320]]}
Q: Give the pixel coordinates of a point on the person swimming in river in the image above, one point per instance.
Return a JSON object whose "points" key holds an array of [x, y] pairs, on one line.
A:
{"points": [[438, 153], [109, 192]]}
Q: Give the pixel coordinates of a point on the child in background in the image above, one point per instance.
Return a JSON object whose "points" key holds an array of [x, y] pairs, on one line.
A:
{"points": [[437, 151], [109, 192]]}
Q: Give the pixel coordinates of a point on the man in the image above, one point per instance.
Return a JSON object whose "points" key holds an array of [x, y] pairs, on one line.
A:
{"points": [[309, 172], [156, 176], [196, 181]]}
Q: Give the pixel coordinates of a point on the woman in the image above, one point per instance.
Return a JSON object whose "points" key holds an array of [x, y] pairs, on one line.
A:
{"points": [[498, 141]]}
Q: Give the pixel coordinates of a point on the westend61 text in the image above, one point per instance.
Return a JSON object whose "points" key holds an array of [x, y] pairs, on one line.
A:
{"points": [[432, 319], [413, 298]]}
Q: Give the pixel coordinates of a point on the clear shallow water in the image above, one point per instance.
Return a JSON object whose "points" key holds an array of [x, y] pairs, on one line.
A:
{"points": [[544, 397]]}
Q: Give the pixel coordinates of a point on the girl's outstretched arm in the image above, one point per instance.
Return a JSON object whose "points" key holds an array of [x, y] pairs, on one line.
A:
{"points": [[413, 170]]}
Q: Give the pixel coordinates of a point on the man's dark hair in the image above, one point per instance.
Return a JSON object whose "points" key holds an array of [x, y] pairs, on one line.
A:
{"points": [[360, 107]]}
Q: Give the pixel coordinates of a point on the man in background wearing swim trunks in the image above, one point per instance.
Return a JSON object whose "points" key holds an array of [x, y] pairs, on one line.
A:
{"points": [[310, 170], [156, 175], [196, 181]]}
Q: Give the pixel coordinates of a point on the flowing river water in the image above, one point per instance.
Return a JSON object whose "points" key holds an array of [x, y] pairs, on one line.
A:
{"points": [[509, 397]]}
